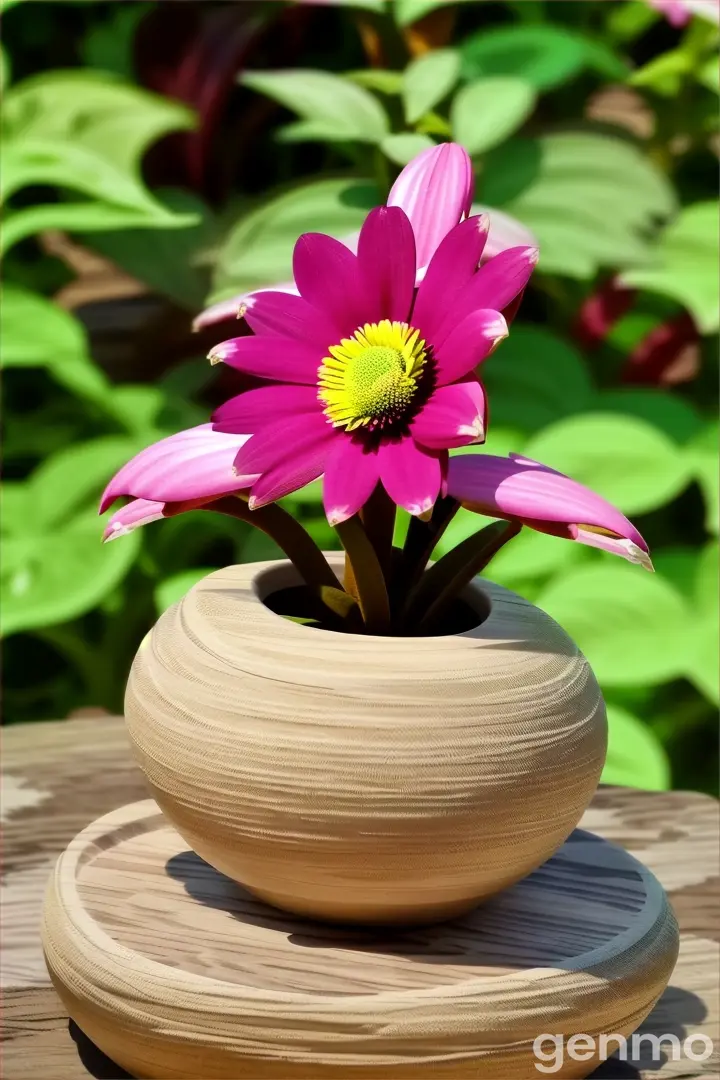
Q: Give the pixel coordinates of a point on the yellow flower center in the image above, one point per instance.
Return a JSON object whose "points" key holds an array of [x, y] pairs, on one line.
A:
{"points": [[371, 379]]}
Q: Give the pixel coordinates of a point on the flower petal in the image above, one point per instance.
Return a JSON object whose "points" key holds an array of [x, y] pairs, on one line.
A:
{"points": [[256, 409], [435, 190], [468, 345], [543, 499], [289, 457], [351, 475], [328, 277], [386, 257], [505, 232], [280, 444], [454, 416], [495, 285], [136, 513], [411, 475], [193, 464], [287, 315], [451, 268], [270, 357]]}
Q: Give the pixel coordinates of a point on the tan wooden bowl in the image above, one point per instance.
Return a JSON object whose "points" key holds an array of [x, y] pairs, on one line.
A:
{"points": [[364, 779], [175, 971]]}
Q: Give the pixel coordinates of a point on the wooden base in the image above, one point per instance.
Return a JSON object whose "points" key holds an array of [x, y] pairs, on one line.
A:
{"points": [[175, 971]]}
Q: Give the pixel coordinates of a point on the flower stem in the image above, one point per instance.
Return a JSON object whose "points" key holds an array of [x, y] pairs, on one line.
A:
{"points": [[367, 574], [422, 538], [429, 601], [288, 534], [378, 518]]}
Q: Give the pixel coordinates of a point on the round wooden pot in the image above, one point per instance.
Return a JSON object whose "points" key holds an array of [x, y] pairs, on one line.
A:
{"points": [[359, 778]]}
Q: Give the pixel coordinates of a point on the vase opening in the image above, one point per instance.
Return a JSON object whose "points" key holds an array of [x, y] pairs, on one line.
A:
{"points": [[280, 589]]}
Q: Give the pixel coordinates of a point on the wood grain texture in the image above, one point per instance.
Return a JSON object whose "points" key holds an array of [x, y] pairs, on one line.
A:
{"points": [[177, 972], [364, 779], [84, 768]]}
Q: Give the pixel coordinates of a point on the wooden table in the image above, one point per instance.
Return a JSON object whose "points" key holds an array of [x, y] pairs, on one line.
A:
{"points": [[57, 777]]}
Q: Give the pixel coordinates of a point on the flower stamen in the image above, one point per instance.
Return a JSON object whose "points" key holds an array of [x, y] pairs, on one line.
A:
{"points": [[371, 379]]}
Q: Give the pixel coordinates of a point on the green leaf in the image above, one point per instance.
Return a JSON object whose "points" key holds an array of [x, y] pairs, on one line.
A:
{"points": [[172, 589], [591, 199], [543, 56], [73, 479], [87, 132], [536, 378], [487, 111], [632, 626], [34, 332], [534, 555], [672, 414], [635, 756], [258, 250], [409, 11], [4, 69], [108, 46], [404, 147], [337, 103], [427, 80], [379, 79], [702, 459], [626, 460], [687, 261], [93, 110], [51, 577], [703, 668], [172, 262], [665, 74], [678, 565]]}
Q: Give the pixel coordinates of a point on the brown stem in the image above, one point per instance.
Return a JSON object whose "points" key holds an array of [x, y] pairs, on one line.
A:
{"points": [[441, 584], [368, 576], [422, 539], [288, 534], [378, 517]]}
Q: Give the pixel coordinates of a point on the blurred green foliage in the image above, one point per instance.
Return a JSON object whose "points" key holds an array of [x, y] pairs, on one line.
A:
{"points": [[617, 200]]}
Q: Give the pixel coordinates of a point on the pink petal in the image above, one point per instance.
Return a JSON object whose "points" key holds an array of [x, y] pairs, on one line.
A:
{"points": [[411, 475], [271, 357], [495, 285], [289, 316], [136, 513], [505, 232], [386, 257], [451, 268], [454, 416], [543, 499], [328, 277], [194, 464], [255, 409], [282, 444], [468, 345], [676, 12], [285, 471], [435, 190], [351, 475]]}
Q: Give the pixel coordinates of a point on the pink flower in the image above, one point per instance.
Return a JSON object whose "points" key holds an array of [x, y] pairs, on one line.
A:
{"points": [[435, 190], [679, 12], [371, 380], [541, 498], [182, 472]]}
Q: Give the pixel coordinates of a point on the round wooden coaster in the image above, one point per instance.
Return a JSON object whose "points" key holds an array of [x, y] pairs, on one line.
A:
{"points": [[175, 971]]}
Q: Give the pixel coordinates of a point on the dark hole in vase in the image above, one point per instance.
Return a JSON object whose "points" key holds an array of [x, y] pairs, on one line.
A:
{"points": [[298, 604]]}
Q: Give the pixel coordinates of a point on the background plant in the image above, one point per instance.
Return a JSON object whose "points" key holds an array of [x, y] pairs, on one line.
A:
{"points": [[145, 174]]}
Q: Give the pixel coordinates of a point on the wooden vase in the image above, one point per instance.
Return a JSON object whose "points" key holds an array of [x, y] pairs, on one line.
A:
{"points": [[359, 778]]}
